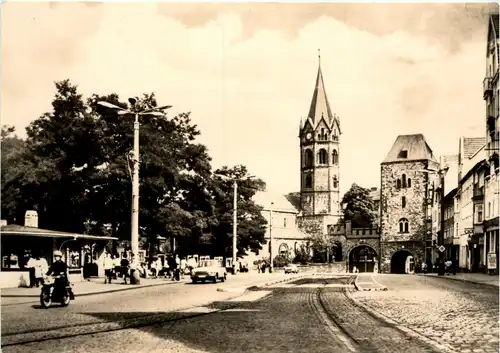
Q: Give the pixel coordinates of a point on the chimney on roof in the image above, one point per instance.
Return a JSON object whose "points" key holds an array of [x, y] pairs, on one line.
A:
{"points": [[31, 219]]}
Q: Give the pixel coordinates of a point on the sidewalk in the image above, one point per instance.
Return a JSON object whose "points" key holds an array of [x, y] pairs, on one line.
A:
{"points": [[94, 286], [478, 278]]}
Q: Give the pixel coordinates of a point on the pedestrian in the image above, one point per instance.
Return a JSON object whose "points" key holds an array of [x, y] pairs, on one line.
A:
{"points": [[108, 268], [153, 269], [40, 270], [116, 266], [31, 266], [124, 267]]}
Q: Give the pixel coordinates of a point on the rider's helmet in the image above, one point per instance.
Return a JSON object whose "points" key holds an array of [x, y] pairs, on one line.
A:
{"points": [[57, 253]]}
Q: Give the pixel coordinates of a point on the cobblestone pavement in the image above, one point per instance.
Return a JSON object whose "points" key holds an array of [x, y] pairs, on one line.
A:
{"points": [[24, 318], [290, 319], [461, 315]]}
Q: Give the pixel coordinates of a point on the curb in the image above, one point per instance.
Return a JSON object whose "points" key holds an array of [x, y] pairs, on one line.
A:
{"points": [[409, 332], [360, 288], [132, 287], [264, 284], [460, 280]]}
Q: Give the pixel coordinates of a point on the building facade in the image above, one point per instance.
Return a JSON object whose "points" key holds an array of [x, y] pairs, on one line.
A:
{"points": [[319, 136], [491, 191], [405, 221], [282, 227]]}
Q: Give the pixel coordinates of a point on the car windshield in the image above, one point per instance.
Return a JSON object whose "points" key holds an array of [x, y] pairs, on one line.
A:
{"points": [[209, 263]]}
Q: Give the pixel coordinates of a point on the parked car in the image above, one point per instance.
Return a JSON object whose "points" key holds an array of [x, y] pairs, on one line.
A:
{"points": [[209, 270], [291, 269]]}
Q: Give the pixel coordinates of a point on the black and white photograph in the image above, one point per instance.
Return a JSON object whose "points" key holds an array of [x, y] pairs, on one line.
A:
{"points": [[226, 177]]}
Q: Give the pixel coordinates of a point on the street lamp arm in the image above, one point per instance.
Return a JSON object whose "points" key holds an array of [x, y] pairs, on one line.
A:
{"points": [[112, 106]]}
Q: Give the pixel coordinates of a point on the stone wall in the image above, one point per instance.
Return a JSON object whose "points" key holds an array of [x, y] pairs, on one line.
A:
{"points": [[388, 249], [392, 210]]}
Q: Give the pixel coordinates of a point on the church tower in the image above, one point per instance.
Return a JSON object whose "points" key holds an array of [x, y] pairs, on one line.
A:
{"points": [[319, 136]]}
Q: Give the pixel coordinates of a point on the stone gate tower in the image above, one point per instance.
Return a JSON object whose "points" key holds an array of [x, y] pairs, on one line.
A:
{"points": [[319, 136]]}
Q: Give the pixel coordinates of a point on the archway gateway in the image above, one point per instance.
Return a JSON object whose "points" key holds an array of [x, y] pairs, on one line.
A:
{"points": [[402, 261], [363, 257]]}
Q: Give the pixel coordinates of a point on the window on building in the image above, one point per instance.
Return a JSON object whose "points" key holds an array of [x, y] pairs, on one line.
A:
{"points": [[284, 222], [409, 182], [308, 158], [398, 184], [479, 213], [403, 154], [403, 180], [335, 182], [403, 225], [335, 157], [492, 242], [489, 209], [403, 202], [322, 156], [309, 181]]}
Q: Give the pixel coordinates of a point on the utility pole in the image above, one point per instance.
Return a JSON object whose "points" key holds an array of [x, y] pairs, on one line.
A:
{"points": [[235, 222], [271, 268], [135, 195], [157, 111]]}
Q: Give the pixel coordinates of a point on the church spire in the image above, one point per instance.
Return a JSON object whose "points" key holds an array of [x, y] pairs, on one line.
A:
{"points": [[319, 103]]}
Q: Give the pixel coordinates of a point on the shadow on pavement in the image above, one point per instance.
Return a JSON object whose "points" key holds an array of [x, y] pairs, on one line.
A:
{"points": [[282, 322]]}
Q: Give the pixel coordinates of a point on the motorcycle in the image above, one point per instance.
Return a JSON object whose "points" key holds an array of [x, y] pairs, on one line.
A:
{"points": [[51, 293]]}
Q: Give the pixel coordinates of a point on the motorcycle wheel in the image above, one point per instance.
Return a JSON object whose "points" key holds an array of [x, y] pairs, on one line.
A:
{"points": [[66, 298], [45, 299]]}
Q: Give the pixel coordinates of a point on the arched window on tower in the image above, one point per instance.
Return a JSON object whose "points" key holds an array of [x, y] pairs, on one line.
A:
{"points": [[398, 184], [409, 182], [403, 180], [335, 157], [322, 156], [309, 181], [335, 182], [403, 225], [403, 202], [308, 158]]}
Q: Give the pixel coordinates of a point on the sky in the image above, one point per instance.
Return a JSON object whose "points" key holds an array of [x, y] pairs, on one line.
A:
{"points": [[246, 72]]}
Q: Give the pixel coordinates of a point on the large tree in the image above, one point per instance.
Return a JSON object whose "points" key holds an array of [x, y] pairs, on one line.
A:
{"points": [[74, 169], [359, 207]]}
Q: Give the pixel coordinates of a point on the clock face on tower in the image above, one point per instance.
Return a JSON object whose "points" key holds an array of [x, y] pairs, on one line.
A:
{"points": [[308, 136]]}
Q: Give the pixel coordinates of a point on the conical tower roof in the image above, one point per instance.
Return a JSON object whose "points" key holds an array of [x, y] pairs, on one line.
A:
{"points": [[320, 107]]}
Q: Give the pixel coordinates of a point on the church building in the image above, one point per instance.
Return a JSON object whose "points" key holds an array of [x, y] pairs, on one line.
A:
{"points": [[319, 135]]}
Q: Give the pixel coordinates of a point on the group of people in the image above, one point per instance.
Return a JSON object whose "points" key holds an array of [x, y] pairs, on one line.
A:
{"points": [[37, 267], [173, 268]]}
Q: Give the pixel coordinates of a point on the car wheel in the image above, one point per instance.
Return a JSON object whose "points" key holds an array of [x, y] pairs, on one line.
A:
{"points": [[223, 279], [216, 278], [195, 281]]}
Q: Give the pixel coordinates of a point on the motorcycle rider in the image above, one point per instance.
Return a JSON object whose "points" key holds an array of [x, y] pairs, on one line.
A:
{"points": [[58, 268]]}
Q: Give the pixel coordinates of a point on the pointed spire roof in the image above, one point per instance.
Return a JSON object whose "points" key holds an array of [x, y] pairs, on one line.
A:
{"points": [[319, 104]]}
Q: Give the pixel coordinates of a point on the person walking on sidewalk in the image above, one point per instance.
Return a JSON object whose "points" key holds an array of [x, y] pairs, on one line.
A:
{"points": [[124, 264], [116, 266], [108, 268], [31, 266]]}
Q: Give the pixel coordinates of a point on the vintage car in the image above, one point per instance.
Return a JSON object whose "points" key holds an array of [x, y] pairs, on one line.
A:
{"points": [[291, 269], [209, 270]]}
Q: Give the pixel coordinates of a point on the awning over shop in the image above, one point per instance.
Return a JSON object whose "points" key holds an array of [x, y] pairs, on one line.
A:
{"points": [[17, 230]]}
